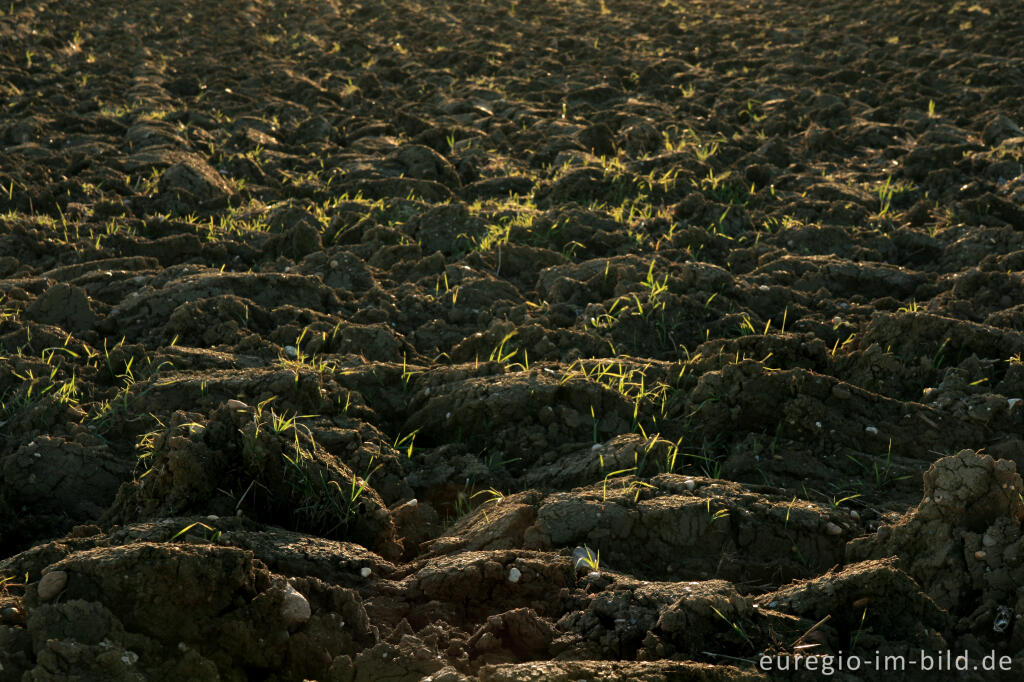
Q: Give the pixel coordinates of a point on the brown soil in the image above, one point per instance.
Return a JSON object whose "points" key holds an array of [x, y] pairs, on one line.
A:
{"points": [[511, 340]]}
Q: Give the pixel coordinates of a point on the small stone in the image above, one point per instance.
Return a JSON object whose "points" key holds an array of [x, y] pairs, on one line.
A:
{"points": [[190, 181], [854, 515], [487, 642], [980, 554], [690, 484], [988, 540], [1012, 403], [291, 351], [295, 608], [872, 430], [1004, 616], [833, 529], [236, 405], [52, 584], [365, 571], [583, 558], [11, 615], [998, 129], [514, 574]]}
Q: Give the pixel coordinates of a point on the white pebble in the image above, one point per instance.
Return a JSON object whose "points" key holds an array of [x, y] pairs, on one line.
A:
{"points": [[872, 430], [690, 484], [833, 529], [236, 405], [291, 351], [988, 540], [52, 584], [980, 554], [365, 571], [295, 608], [514, 574], [1012, 403], [764, 287], [412, 503], [854, 515]]}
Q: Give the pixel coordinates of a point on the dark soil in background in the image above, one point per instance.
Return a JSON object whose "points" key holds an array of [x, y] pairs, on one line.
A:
{"points": [[508, 340]]}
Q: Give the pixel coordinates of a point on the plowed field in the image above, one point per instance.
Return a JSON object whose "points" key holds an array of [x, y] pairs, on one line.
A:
{"points": [[511, 340]]}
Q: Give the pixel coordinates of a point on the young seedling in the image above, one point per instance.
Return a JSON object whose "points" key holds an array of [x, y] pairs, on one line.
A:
{"points": [[589, 559], [407, 374], [407, 441], [493, 497], [860, 628], [637, 487], [837, 502], [883, 475], [604, 485], [789, 508], [8, 583], [736, 627], [715, 516], [498, 354], [213, 534]]}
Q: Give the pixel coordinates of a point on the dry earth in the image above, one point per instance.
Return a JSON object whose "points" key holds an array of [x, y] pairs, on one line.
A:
{"points": [[508, 340]]}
